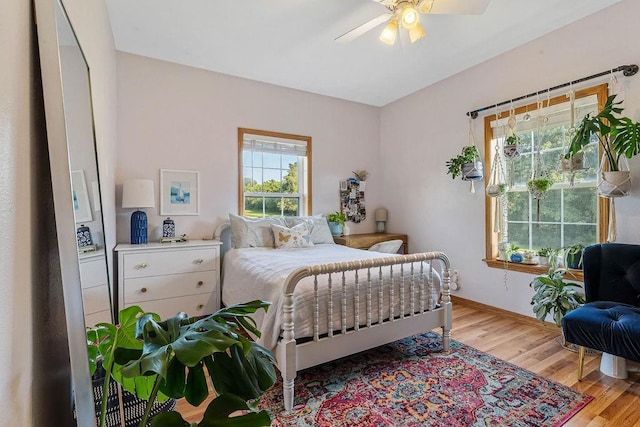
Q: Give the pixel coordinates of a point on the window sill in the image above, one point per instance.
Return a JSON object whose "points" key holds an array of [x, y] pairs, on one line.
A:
{"points": [[533, 269]]}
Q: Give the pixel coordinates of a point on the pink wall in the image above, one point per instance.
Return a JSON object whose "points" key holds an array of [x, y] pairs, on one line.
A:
{"points": [[420, 132], [176, 117]]}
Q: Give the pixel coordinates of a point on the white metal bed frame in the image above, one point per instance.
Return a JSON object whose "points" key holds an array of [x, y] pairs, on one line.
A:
{"points": [[420, 315]]}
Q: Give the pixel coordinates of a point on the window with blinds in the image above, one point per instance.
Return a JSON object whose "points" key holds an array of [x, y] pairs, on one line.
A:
{"points": [[274, 173]]}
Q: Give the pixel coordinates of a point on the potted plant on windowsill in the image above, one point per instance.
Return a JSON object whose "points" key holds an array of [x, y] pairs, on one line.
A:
{"points": [[573, 256], [467, 164], [619, 138], [336, 222], [169, 358], [544, 255], [552, 295]]}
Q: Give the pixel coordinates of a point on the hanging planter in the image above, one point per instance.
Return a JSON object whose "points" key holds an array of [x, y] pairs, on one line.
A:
{"points": [[472, 171], [538, 187], [466, 164], [575, 162], [511, 147], [496, 190]]}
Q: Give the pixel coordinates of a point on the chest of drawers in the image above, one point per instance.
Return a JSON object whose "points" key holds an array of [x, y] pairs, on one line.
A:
{"points": [[95, 288], [167, 278]]}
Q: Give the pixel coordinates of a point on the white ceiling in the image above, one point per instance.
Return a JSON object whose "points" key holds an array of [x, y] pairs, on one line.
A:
{"points": [[291, 42]]}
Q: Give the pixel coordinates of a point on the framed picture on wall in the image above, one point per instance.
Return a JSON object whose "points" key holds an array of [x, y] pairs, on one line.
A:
{"points": [[80, 196], [179, 192]]}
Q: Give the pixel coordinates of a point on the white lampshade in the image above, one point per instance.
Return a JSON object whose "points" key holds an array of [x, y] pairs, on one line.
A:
{"points": [[381, 214], [138, 193]]}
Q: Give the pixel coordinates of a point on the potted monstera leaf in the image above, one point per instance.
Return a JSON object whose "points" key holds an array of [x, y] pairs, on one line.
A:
{"points": [[168, 358], [619, 138]]}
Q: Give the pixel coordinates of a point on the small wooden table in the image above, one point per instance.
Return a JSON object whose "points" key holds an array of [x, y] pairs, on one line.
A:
{"points": [[365, 241]]}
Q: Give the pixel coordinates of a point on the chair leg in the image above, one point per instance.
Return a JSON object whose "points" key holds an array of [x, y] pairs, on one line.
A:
{"points": [[581, 352]]}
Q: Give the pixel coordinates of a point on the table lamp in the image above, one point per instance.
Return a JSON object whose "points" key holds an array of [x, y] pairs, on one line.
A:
{"points": [[138, 193], [381, 218]]}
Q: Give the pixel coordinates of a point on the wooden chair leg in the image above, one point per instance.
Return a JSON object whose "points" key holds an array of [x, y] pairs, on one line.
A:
{"points": [[581, 353]]}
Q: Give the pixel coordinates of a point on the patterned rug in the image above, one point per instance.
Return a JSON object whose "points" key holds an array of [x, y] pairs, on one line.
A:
{"points": [[411, 383]]}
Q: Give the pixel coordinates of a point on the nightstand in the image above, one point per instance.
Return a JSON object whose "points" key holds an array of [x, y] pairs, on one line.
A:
{"points": [[365, 241], [167, 278]]}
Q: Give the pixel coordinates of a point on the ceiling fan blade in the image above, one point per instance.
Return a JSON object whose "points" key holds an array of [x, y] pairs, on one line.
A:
{"points": [[459, 7], [358, 31]]}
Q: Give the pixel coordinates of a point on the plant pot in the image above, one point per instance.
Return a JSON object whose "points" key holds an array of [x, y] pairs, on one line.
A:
{"points": [[614, 183], [496, 190], [510, 151], [574, 163], [336, 228], [543, 260], [133, 407], [573, 261], [362, 185], [472, 171], [503, 247]]}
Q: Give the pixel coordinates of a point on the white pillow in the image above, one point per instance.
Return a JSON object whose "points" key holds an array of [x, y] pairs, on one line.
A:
{"points": [[318, 227], [290, 238], [252, 233]]}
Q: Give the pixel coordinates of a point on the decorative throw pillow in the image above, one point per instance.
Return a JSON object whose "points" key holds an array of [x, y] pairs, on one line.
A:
{"points": [[290, 238], [318, 227], [252, 233]]}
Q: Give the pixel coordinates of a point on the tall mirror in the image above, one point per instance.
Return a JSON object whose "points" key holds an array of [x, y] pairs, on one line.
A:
{"points": [[76, 190]]}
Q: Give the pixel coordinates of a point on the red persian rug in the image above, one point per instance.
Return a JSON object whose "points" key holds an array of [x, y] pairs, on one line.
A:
{"points": [[412, 383]]}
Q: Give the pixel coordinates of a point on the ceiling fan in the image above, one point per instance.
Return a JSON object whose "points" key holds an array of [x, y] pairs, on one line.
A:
{"points": [[406, 13]]}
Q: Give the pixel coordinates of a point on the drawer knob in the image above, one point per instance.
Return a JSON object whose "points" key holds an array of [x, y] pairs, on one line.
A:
{"points": [[200, 306], [142, 265], [143, 290], [200, 283], [199, 261]]}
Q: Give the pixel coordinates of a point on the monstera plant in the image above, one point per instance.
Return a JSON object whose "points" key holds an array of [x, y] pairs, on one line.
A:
{"points": [[173, 358]]}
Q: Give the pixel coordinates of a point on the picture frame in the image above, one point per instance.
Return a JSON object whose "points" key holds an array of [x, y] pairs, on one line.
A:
{"points": [[179, 192], [80, 196]]}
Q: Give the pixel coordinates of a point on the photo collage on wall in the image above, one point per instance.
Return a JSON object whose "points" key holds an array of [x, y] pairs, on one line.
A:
{"points": [[352, 201]]}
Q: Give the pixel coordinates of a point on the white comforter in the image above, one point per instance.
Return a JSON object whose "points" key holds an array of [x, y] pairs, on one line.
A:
{"points": [[259, 273]]}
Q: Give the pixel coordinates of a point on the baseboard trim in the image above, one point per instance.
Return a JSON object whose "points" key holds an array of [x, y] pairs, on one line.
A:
{"points": [[531, 321]]}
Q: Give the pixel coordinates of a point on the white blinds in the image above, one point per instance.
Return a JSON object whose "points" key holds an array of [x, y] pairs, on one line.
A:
{"points": [[265, 144]]}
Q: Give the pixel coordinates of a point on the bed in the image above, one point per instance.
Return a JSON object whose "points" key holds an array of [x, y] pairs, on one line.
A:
{"points": [[328, 300]]}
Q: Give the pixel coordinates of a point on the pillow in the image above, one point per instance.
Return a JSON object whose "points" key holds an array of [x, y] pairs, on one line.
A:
{"points": [[318, 227], [290, 238], [252, 233]]}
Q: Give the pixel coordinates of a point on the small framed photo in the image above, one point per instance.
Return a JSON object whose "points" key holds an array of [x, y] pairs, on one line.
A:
{"points": [[179, 192], [80, 195]]}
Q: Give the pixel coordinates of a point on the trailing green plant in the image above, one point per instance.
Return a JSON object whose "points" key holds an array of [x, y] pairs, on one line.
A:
{"points": [[552, 295], [546, 252], [512, 249], [168, 359], [338, 217], [617, 136], [469, 154], [542, 184], [512, 139]]}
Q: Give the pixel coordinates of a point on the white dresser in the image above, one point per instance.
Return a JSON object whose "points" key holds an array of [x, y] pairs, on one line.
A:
{"points": [[95, 288], [167, 278]]}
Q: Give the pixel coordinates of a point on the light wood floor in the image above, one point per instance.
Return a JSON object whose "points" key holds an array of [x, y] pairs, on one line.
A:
{"points": [[533, 346]]}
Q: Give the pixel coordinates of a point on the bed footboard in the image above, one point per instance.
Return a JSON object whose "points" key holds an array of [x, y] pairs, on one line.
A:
{"points": [[397, 304]]}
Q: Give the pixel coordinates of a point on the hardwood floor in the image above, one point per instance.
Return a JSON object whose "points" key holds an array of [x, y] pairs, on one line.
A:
{"points": [[533, 346]]}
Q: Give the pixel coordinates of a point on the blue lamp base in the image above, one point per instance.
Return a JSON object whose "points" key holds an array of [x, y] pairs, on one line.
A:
{"points": [[138, 228]]}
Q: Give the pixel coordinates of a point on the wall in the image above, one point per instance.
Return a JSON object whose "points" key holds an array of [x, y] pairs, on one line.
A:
{"points": [[176, 117], [421, 131]]}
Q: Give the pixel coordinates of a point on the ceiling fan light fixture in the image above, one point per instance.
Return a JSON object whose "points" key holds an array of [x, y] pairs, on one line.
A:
{"points": [[425, 6], [409, 17], [390, 32], [416, 33]]}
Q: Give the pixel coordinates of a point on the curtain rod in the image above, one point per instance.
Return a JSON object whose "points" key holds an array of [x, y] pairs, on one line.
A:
{"points": [[627, 70]]}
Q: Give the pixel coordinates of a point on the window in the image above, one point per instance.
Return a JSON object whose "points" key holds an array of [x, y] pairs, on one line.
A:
{"points": [[274, 174], [571, 213]]}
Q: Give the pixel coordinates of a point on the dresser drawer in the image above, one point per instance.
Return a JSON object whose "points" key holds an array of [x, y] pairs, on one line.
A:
{"points": [[93, 273], [95, 299], [168, 262], [90, 320], [168, 286], [193, 305]]}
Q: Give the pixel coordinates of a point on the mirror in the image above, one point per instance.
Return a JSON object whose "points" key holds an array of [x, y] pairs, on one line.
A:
{"points": [[76, 190]]}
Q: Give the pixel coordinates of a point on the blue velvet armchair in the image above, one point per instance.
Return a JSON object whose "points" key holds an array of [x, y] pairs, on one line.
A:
{"points": [[610, 319]]}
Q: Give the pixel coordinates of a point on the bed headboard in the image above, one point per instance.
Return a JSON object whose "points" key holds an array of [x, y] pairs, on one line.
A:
{"points": [[223, 233]]}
